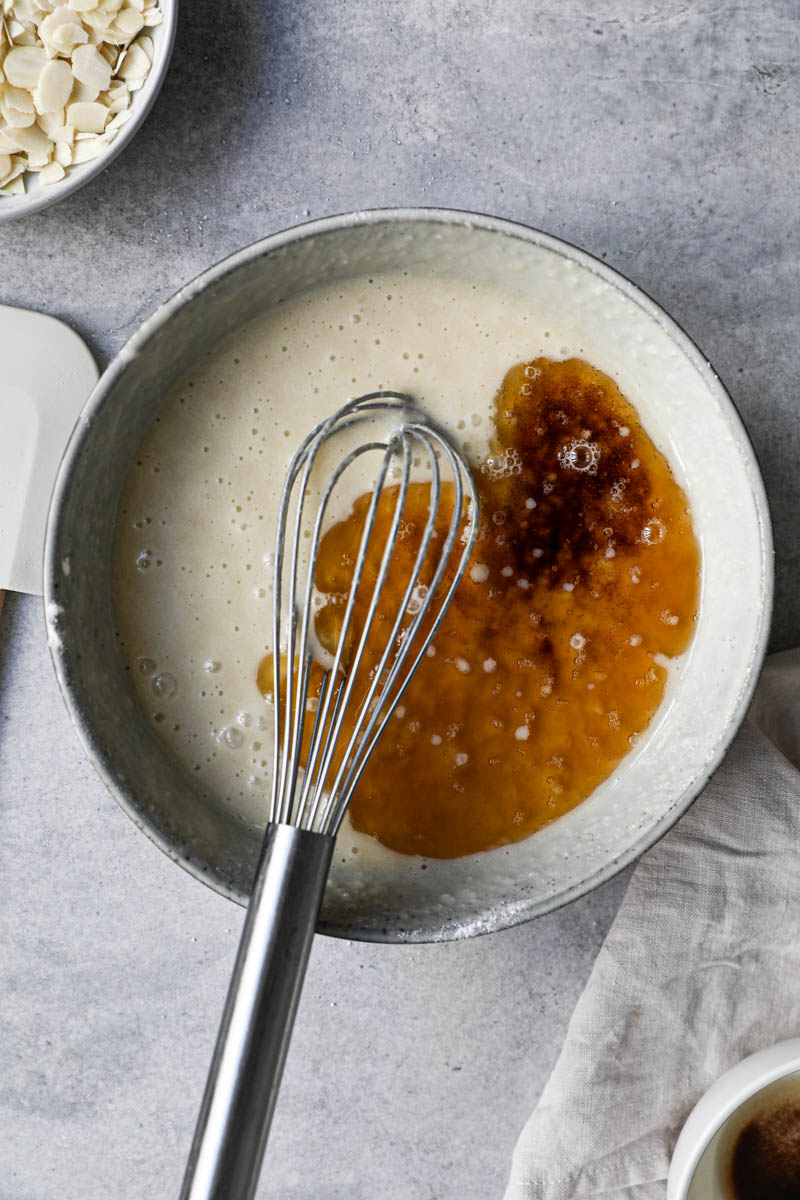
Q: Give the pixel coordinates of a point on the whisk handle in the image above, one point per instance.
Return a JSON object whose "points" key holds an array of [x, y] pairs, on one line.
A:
{"points": [[257, 1021]]}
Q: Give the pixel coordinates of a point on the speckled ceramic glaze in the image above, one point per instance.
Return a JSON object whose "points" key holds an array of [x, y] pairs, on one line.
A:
{"points": [[687, 412]]}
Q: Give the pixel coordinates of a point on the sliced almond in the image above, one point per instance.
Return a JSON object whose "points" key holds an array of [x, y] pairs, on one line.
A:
{"points": [[145, 43], [63, 154], [61, 30], [37, 160], [25, 11], [5, 166], [18, 163], [15, 188], [50, 121], [55, 87], [16, 106], [18, 98], [129, 22], [135, 65], [83, 94], [120, 119], [121, 101], [16, 119], [24, 14], [87, 117], [82, 6], [53, 173], [23, 65], [68, 36], [33, 141], [65, 133], [89, 67], [86, 151], [61, 15], [97, 20]]}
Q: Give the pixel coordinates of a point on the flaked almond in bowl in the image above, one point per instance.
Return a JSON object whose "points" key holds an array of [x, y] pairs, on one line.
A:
{"points": [[76, 82]]}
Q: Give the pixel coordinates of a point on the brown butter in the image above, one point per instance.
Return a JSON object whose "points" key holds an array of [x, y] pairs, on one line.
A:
{"points": [[544, 673], [765, 1164]]}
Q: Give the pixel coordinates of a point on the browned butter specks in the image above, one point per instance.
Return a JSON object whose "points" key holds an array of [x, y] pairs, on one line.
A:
{"points": [[549, 663]]}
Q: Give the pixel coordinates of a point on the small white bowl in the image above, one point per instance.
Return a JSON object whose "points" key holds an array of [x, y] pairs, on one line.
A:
{"points": [[719, 1117], [37, 197]]}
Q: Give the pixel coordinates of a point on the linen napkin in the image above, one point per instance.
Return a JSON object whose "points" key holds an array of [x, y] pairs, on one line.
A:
{"points": [[700, 968]]}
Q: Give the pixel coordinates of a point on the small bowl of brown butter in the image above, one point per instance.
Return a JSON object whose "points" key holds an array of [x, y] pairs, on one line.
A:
{"points": [[742, 1139]]}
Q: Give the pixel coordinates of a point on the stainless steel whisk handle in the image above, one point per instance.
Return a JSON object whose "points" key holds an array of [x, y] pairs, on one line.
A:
{"points": [[256, 1026]]}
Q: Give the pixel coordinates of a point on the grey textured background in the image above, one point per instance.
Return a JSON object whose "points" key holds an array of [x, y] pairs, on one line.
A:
{"points": [[660, 136]]}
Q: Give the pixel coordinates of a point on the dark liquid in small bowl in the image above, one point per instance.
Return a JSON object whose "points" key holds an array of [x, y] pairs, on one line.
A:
{"points": [[765, 1163]]}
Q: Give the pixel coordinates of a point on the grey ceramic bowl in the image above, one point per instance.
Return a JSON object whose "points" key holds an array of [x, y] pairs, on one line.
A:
{"points": [[694, 422]]}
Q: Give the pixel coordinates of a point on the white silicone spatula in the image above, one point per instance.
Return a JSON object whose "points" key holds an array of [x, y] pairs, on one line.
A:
{"points": [[46, 375]]}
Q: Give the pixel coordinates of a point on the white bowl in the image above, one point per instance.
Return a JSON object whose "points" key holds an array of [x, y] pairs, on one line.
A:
{"points": [[37, 197], [717, 1119]]}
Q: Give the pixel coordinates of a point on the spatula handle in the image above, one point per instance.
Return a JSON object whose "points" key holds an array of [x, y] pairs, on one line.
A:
{"points": [[246, 1068]]}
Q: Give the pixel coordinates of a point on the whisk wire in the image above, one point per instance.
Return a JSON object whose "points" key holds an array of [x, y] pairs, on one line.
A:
{"points": [[311, 802], [304, 457], [307, 789], [380, 686], [371, 735], [316, 781], [356, 659], [332, 721], [304, 460], [304, 655]]}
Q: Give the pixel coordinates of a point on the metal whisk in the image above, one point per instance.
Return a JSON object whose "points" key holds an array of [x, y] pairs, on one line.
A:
{"points": [[308, 805]]}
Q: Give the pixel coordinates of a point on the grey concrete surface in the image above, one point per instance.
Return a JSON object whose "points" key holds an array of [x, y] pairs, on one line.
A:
{"points": [[661, 136]]}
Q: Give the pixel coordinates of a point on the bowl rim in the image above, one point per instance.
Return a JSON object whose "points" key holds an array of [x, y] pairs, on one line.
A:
{"points": [[502, 919], [13, 207], [722, 1101]]}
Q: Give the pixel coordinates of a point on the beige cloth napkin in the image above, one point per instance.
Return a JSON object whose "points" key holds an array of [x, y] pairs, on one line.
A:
{"points": [[701, 967]]}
